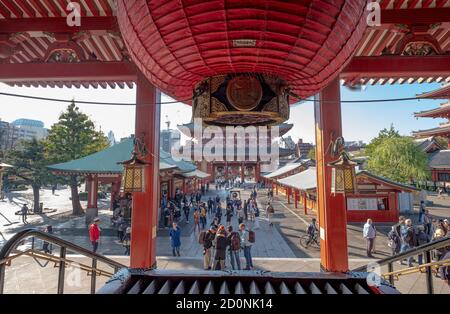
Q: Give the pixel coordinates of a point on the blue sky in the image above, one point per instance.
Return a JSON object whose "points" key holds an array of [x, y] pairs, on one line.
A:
{"points": [[361, 121]]}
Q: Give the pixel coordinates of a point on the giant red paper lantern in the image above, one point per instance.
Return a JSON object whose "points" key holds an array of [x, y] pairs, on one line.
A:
{"points": [[178, 43]]}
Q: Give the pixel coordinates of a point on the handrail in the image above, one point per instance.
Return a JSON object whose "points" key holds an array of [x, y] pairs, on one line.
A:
{"points": [[424, 249], [65, 246], [55, 259], [419, 268], [436, 244]]}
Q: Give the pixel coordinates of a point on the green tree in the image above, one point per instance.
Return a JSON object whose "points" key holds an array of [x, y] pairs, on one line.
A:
{"points": [[73, 137], [30, 166], [398, 159], [384, 134], [312, 154]]}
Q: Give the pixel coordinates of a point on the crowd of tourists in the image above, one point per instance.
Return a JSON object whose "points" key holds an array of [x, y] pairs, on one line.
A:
{"points": [[221, 241], [173, 210], [404, 236]]}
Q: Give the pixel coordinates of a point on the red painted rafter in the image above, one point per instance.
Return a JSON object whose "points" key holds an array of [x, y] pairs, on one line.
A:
{"points": [[92, 7], [105, 7], [415, 16], [56, 25], [4, 11], [39, 7], [63, 72], [13, 8], [52, 7], [25, 6], [398, 66]]}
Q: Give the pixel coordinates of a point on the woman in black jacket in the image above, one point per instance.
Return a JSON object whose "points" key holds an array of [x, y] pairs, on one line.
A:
{"points": [[221, 247]]}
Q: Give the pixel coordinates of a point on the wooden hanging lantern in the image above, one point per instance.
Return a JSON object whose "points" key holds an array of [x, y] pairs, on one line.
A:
{"points": [[343, 179], [133, 177]]}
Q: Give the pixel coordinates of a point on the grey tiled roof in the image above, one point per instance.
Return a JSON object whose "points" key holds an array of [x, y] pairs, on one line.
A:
{"points": [[440, 159]]}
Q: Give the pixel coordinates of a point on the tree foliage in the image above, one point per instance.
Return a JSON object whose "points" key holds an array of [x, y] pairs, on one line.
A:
{"points": [[30, 166], [399, 159], [384, 134], [74, 136], [312, 154]]}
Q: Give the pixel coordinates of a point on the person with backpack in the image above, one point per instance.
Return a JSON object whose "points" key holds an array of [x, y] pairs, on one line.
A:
{"points": [[203, 217], [175, 239], [245, 210], [421, 239], [269, 212], [228, 215], [196, 220], [247, 240], [240, 215], [127, 241], [218, 213], [206, 238], [394, 241], [407, 235], [221, 248], [210, 206], [369, 233], [427, 223], [186, 210], [234, 242], [121, 229], [422, 210]]}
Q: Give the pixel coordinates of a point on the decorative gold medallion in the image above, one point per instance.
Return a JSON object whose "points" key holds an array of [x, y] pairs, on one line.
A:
{"points": [[244, 92]]}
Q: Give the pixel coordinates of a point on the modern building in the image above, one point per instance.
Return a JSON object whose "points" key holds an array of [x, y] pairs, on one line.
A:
{"points": [[9, 135], [302, 149], [169, 137], [111, 138], [29, 129]]}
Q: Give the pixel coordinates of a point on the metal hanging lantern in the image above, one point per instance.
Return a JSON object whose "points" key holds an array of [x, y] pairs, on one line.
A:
{"points": [[133, 177], [343, 179]]}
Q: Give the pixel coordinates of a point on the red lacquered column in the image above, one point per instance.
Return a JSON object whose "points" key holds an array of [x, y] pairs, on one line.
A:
{"points": [[145, 204], [331, 208]]}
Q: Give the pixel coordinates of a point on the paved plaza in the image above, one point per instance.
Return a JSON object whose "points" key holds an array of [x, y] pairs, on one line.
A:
{"points": [[277, 247]]}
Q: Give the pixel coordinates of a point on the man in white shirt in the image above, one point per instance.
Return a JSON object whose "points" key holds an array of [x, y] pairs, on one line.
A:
{"points": [[369, 233]]}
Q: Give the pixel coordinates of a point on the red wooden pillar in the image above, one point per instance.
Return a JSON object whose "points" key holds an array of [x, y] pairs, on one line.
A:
{"points": [[115, 190], [305, 203], [184, 186], [288, 193], [242, 172], [92, 206], [257, 171], [331, 208], [92, 191], [296, 199], [276, 189], [145, 204]]}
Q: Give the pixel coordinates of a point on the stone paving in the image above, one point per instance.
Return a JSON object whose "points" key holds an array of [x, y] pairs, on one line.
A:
{"points": [[277, 248]]}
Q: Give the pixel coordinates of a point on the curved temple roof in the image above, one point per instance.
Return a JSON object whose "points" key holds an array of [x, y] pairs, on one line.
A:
{"points": [[106, 161]]}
